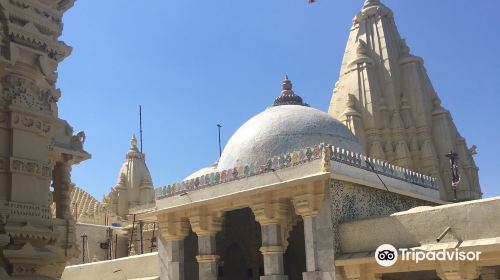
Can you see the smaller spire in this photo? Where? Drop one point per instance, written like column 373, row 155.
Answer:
column 288, row 97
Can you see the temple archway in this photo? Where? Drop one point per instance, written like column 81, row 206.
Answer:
column 238, row 246
column 190, row 252
column 294, row 258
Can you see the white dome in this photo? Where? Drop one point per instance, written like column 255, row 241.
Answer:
column 204, row 171
column 284, row 129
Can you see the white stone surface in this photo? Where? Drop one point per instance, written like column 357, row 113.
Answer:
column 141, row 266
column 386, row 98
column 284, row 129
column 473, row 220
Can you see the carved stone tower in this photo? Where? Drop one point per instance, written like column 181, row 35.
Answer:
column 37, row 148
column 386, row 98
column 134, row 186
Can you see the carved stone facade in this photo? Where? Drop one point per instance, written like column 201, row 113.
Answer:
column 36, row 147
column 386, row 98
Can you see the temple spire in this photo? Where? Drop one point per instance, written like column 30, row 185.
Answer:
column 397, row 103
column 288, row 97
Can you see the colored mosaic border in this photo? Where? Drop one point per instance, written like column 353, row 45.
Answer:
column 293, row 159
column 237, row 173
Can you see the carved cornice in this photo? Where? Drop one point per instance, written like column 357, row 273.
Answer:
column 206, row 224
column 267, row 213
column 172, row 227
column 29, row 231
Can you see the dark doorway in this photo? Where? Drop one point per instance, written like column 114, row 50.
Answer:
column 190, row 252
column 235, row 266
column 295, row 254
column 238, row 245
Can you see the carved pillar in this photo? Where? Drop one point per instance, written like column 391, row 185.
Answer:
column 357, row 272
column 173, row 230
column 32, row 139
column 206, row 225
column 62, row 186
column 272, row 218
column 458, row 271
column 488, row 273
column 308, row 205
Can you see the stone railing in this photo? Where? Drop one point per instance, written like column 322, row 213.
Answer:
column 293, row 159
column 382, row 167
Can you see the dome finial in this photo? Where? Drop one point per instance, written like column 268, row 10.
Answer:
column 369, row 3
column 288, row 97
column 133, row 141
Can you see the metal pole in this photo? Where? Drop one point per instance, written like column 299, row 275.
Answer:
column 131, row 237
column 116, row 243
column 84, row 241
column 220, row 147
column 110, row 243
column 153, row 238
column 140, row 125
column 141, row 228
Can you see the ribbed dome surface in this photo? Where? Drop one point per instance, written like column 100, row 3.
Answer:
column 283, row 129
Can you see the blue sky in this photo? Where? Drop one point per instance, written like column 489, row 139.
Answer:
column 193, row 64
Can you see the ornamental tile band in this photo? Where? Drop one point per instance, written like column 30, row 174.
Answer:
column 293, row 159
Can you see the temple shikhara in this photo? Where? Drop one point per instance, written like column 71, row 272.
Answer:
column 297, row 193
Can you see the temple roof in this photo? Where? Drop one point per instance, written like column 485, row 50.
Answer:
column 286, row 126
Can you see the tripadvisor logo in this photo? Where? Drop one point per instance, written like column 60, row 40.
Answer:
column 387, row 255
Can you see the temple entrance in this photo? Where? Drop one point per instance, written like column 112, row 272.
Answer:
column 235, row 266
column 190, row 252
column 238, row 246
column 295, row 255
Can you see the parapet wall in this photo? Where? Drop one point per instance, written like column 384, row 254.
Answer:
column 141, row 266
column 468, row 221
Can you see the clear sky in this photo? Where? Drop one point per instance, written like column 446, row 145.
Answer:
column 193, row 64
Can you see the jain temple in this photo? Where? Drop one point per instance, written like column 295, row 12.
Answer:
column 297, row 193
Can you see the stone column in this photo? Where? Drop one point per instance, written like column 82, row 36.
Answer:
column 207, row 258
column 488, row 274
column 358, row 272
column 307, row 205
column 458, row 271
column 173, row 231
column 206, row 225
column 272, row 217
column 62, row 186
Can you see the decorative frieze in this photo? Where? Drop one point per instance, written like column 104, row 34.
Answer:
column 21, row 211
column 25, row 93
column 30, row 123
column 30, row 167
